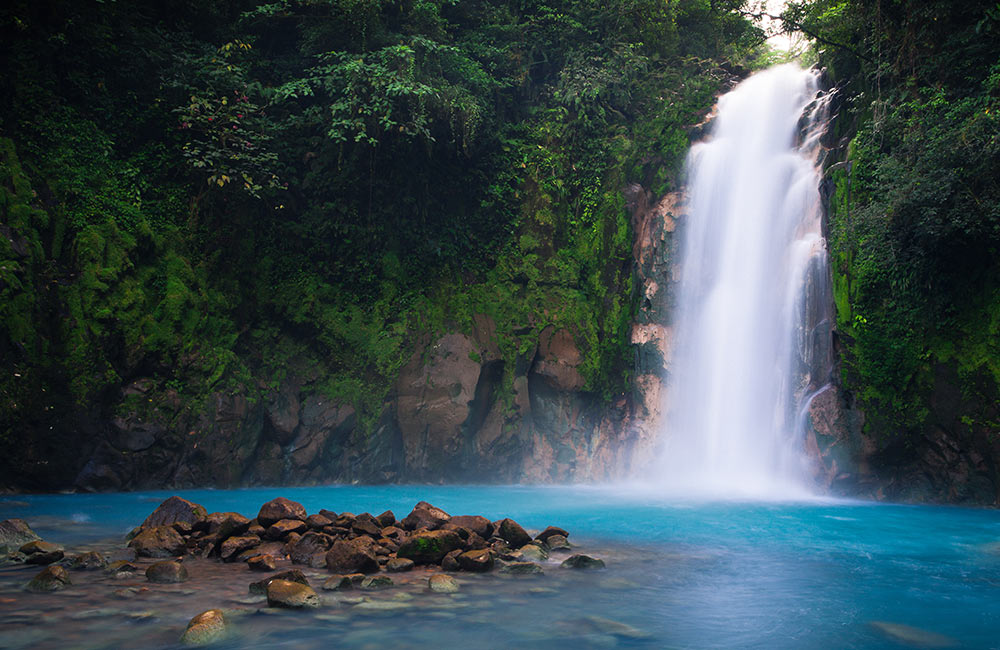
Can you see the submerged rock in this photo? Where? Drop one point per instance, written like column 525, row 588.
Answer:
column 442, row 584
column 40, row 552
column 205, row 628
column 293, row 595
column 167, row 572
column 281, row 508
column 550, row 532
column 373, row 583
column 533, row 553
column 430, row 547
column 52, row 578
column 160, row 541
column 913, row 636
column 338, row 583
column 121, row 566
column 261, row 563
column 292, row 575
column 603, row 625
column 90, row 561
column 521, row 569
column 582, row 562
column 558, row 543
column 399, row 565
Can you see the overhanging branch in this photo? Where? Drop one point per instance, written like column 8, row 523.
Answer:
column 791, row 25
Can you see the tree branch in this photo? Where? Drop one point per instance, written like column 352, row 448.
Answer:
column 791, row 25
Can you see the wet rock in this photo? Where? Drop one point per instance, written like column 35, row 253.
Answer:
column 381, row 607
column 582, row 562
column 338, row 583
column 274, row 549
column 119, row 567
column 281, row 508
column 205, row 628
column 256, row 530
column 511, row 532
column 521, row 569
column 601, row 625
column 424, row 515
column 479, row 561
column 365, row 524
column 317, row 522
column 15, row 533
column 549, row 532
column 395, row 534
column 123, row 553
column 128, row 593
column 386, row 519
column 429, row 547
column 290, row 542
column 450, row 561
column 399, row 565
column 352, row 556
column 310, row 549
column 293, row 595
column 235, row 545
column 39, row 552
column 373, row 583
column 90, row 561
column 160, row 541
column 224, row 524
column 261, row 563
column 533, row 553
column 442, row 584
column 292, row 575
column 558, row 543
column 479, row 525
column 173, row 510
column 167, row 572
column 281, row 529
column 914, row 637
column 52, row 578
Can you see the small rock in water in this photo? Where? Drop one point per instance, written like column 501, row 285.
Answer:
column 533, row 553
column 549, row 532
column 167, row 572
column 128, row 593
column 376, row 582
column 205, row 628
column 352, row 556
column 582, row 562
column 15, row 533
column 261, row 563
column 479, row 561
column 381, row 607
column 512, row 532
column 442, row 584
column 293, row 595
column 338, row 583
column 450, row 561
column 607, row 626
column 558, row 543
column 399, row 565
column 521, row 569
column 121, row 566
column 88, row 562
column 39, row 552
column 161, row 541
column 293, row 575
column 52, row 578
column 913, row 636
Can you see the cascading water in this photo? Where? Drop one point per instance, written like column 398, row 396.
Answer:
column 752, row 317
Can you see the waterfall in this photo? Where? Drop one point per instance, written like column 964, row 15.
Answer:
column 752, row 317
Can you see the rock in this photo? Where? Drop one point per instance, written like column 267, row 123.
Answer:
column 15, row 533
column 128, row 593
column 511, row 532
column 558, row 543
column 173, row 510
column 280, row 529
column 913, row 636
column 225, row 524
column 338, row 583
column 294, row 595
column 450, row 561
column 601, row 625
column 234, row 545
column 521, row 569
column 549, row 532
column 167, row 572
column 205, row 628
column 261, row 563
column 52, row 578
column 479, row 561
column 160, row 541
column 365, row 524
column 352, row 556
column 424, row 515
column 395, row 534
column 90, row 561
column 256, row 530
column 386, row 519
column 479, row 525
column 429, row 547
column 582, row 562
column 310, row 549
column 399, row 565
column 292, row 575
column 281, row 508
column 442, row 584
column 290, row 542
column 381, row 607
column 316, row 522
column 373, row 583
column 533, row 553
column 39, row 552
column 356, row 578
column 120, row 566
column 274, row 549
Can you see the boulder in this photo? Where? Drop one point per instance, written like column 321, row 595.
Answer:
column 89, row 561
column 429, row 547
column 292, row 575
column 167, row 572
column 205, row 628
column 310, row 549
column 293, row 595
column 479, row 561
column 450, row 561
column 533, row 553
column 373, row 583
column 386, row 519
column 338, row 583
column 352, row 556
column 15, row 533
column 399, row 565
column 365, row 524
column 160, row 541
column 424, row 515
column 442, row 584
column 261, row 563
column 225, row 524
column 52, row 578
column 281, row 508
column 281, row 529
column 558, row 543
column 317, row 522
column 40, row 552
column 511, row 532
column 582, row 562
column 521, row 569
column 549, row 532
column 230, row 548
column 173, row 510
column 479, row 525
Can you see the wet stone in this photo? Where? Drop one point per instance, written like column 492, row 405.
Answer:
column 281, row 529
column 558, row 543
column 281, row 508
column 292, row 595
column 399, row 565
column 261, row 563
column 521, row 569
column 442, row 584
column 292, row 575
column 52, row 578
column 373, row 583
column 549, row 532
column 581, row 561
column 205, row 628
column 338, row 583
column 90, row 561
column 167, row 572
column 121, row 566
column 479, row 561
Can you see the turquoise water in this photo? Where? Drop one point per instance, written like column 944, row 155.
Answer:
column 680, row 574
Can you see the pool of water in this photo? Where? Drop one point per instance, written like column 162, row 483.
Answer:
column 680, row 574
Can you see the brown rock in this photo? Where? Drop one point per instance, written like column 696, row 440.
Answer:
column 120, row 566
column 394, row 533
column 281, row 508
column 316, row 522
column 281, row 529
column 225, row 524
column 338, row 583
column 234, row 545
column 429, row 547
column 582, row 562
column 52, row 578
column 15, row 533
column 293, row 595
column 329, row 514
column 173, row 510
column 40, row 552
column 256, row 530
column 386, row 519
column 442, row 584
column 89, row 561
column 450, row 561
column 479, row 525
column 310, row 549
column 373, row 583
column 558, row 543
column 479, row 561
column 558, row 360
column 475, row 542
column 205, row 628
column 161, row 541
column 549, row 532
column 365, row 524
column 292, row 575
column 521, row 569
column 167, row 572
column 511, row 531
column 351, row 556
column 424, row 515
column 261, row 563
column 399, row 565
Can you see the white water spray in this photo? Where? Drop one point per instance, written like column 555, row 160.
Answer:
column 752, row 326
